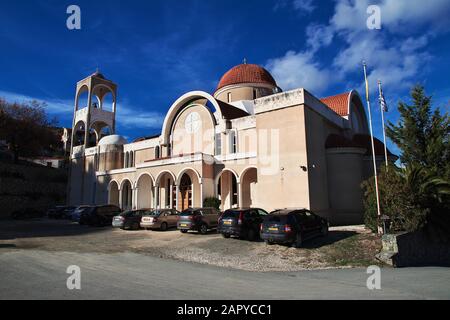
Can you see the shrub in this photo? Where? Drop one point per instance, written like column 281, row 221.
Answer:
column 212, row 202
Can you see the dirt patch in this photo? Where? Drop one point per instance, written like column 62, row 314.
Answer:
column 353, row 247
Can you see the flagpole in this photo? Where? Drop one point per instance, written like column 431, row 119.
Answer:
column 380, row 230
column 383, row 109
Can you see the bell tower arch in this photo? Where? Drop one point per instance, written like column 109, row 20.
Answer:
column 94, row 111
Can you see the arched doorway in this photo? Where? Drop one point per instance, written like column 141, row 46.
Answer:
column 228, row 189
column 186, row 197
column 249, row 179
column 144, row 192
column 166, row 195
column 127, row 196
column 113, row 197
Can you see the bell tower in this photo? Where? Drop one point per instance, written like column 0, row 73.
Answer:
column 94, row 112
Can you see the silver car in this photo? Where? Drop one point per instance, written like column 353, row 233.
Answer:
column 161, row 219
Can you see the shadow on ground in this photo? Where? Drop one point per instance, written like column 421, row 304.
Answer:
column 41, row 228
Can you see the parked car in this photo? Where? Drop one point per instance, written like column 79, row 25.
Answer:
column 161, row 219
column 67, row 213
column 129, row 219
column 242, row 223
column 28, row 213
column 198, row 219
column 99, row 215
column 292, row 227
column 58, row 212
column 75, row 215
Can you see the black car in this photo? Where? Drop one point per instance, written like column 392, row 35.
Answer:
column 198, row 219
column 129, row 219
column 242, row 223
column 59, row 212
column 292, row 227
column 99, row 215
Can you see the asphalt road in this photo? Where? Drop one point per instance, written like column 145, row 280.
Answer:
column 33, row 274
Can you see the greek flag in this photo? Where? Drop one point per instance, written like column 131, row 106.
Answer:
column 383, row 103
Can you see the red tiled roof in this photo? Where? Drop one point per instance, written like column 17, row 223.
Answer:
column 338, row 103
column 246, row 73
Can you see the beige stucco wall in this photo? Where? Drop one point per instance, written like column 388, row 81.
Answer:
column 184, row 142
column 280, row 178
column 243, row 92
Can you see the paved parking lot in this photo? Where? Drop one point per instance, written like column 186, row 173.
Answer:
column 344, row 247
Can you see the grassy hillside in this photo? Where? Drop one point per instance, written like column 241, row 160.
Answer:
column 27, row 185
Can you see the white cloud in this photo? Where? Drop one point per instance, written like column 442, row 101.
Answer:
column 127, row 117
column 396, row 54
column 304, row 5
column 53, row 106
column 132, row 118
column 298, row 69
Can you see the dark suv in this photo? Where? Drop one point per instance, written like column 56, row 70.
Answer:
column 199, row 219
column 242, row 223
column 292, row 227
column 99, row 215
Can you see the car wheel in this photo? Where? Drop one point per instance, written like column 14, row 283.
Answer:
column 251, row 235
column 164, row 226
column 268, row 242
column 183, row 231
column 226, row 235
column 324, row 231
column 203, row 229
column 298, row 241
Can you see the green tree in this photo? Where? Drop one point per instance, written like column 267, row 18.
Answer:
column 416, row 196
column 422, row 135
column 26, row 128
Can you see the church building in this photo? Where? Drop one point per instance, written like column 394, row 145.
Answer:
column 249, row 144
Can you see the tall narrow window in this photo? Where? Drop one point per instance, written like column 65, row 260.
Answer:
column 157, row 152
column 233, row 142
column 218, row 144
column 255, row 94
column 229, row 97
column 131, row 159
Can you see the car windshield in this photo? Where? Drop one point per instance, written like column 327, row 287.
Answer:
column 126, row 213
column 154, row 213
column 231, row 214
column 275, row 218
column 187, row 213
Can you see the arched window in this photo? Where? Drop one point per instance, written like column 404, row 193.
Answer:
column 125, row 162
column 131, row 159
column 229, row 97
column 157, row 152
column 233, row 142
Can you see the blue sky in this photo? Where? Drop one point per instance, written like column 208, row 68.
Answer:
column 158, row 50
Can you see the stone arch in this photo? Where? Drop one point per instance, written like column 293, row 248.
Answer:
column 101, row 91
column 178, row 105
column 227, row 188
column 113, row 193
column 82, row 91
column 145, row 189
column 126, row 194
column 357, row 113
column 248, row 181
column 189, row 169
column 165, row 185
column 78, row 135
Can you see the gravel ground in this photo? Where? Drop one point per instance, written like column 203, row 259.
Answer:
column 343, row 248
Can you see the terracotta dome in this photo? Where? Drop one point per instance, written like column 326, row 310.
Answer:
column 247, row 73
